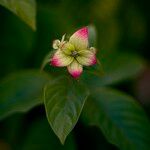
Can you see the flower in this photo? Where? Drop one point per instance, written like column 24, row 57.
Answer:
column 75, row 53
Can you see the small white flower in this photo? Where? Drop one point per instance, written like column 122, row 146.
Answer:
column 74, row 53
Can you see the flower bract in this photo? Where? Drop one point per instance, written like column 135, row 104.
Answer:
column 74, row 53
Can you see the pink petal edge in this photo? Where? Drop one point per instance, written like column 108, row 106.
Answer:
column 82, row 33
column 55, row 62
column 75, row 74
column 93, row 61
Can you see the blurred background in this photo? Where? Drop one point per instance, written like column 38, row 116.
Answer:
column 122, row 26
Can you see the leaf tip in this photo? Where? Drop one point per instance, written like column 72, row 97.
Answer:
column 62, row 141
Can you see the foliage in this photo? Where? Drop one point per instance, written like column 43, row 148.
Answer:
column 64, row 104
column 28, row 91
column 118, row 115
column 25, row 9
column 120, row 118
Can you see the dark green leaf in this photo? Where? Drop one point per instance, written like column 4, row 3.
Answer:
column 115, row 68
column 41, row 137
column 21, row 91
column 121, row 119
column 25, row 9
column 64, row 100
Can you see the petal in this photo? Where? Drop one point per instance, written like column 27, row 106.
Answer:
column 80, row 39
column 75, row 69
column 60, row 59
column 86, row 58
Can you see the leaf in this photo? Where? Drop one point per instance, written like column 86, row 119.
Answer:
column 64, row 100
column 119, row 66
column 40, row 137
column 121, row 119
column 25, row 9
column 21, row 91
column 115, row 67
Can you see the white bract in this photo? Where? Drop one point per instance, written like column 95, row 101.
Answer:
column 75, row 53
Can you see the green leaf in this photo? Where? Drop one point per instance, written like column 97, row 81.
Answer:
column 64, row 100
column 121, row 119
column 115, row 67
column 25, row 9
column 21, row 91
column 40, row 137
column 119, row 66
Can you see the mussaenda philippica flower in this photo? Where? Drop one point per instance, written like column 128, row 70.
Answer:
column 75, row 53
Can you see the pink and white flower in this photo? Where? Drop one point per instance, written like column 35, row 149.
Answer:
column 75, row 53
